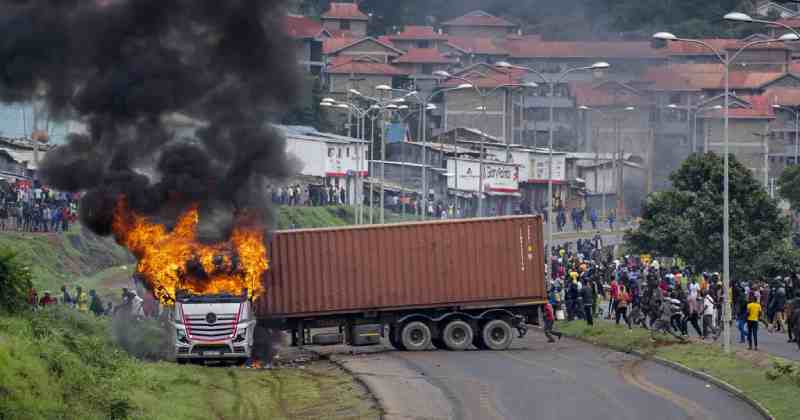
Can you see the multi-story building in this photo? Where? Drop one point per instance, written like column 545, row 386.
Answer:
column 345, row 19
column 479, row 24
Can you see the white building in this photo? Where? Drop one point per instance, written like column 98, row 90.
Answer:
column 329, row 159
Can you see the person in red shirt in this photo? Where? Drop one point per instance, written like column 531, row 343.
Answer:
column 47, row 299
column 549, row 319
column 612, row 303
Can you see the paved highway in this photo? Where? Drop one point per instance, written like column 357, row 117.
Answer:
column 568, row 380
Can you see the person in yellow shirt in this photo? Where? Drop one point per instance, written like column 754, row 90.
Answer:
column 753, row 314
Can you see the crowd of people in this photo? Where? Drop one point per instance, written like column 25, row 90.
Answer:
column 131, row 303
column 31, row 207
column 309, row 195
column 587, row 282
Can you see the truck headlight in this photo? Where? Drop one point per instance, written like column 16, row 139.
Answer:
column 241, row 336
column 181, row 335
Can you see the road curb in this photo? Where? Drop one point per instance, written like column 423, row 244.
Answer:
column 736, row 392
column 372, row 391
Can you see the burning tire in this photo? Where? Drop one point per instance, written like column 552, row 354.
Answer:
column 416, row 336
column 457, row 335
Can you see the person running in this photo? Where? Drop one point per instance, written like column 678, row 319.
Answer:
column 549, row 321
column 623, row 297
column 753, row 314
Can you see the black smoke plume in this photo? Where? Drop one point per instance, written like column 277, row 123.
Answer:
column 128, row 69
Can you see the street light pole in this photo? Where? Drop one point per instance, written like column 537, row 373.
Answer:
column 726, row 61
column 552, row 82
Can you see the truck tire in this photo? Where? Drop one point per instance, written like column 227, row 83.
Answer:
column 416, row 336
column 497, row 334
column 457, row 335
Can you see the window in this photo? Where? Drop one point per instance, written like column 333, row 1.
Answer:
column 684, row 141
column 347, row 152
column 423, row 44
column 345, row 24
column 331, row 152
column 340, row 152
column 427, row 69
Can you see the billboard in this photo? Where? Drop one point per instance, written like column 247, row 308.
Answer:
column 497, row 177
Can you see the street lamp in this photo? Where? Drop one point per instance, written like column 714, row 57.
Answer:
column 552, row 81
column 796, row 114
column 745, row 18
column 618, row 159
column 361, row 115
column 726, row 60
column 469, row 84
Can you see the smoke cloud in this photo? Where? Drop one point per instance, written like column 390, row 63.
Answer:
column 128, row 69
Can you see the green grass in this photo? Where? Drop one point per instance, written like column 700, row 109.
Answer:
column 331, row 216
column 62, row 364
column 57, row 259
column 779, row 396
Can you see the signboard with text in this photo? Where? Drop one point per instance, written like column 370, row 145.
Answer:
column 540, row 165
column 497, row 177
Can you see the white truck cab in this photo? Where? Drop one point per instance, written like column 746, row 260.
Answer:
column 213, row 327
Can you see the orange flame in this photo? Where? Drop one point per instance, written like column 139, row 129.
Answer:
column 172, row 260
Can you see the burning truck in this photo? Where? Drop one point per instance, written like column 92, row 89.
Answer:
column 193, row 207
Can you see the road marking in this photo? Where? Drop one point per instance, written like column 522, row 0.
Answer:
column 632, row 373
column 571, row 378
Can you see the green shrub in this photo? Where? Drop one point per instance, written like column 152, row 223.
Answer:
column 15, row 282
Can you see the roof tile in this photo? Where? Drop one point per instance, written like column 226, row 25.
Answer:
column 344, row 11
column 533, row 48
column 478, row 18
column 418, row 32
column 424, row 55
column 302, row 27
column 361, row 65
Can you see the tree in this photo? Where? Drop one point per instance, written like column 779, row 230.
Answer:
column 686, row 221
column 15, row 282
column 789, row 185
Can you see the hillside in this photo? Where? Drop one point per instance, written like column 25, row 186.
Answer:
column 329, row 216
column 60, row 364
column 72, row 258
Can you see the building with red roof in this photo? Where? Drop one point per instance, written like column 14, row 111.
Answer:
column 417, row 37
column 362, row 73
column 308, row 35
column 479, row 24
column 424, row 61
column 366, row 46
column 345, row 17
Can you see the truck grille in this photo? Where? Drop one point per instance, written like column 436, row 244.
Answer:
column 205, row 348
column 199, row 329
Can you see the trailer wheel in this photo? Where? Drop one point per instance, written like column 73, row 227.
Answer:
column 457, row 335
column 497, row 334
column 416, row 336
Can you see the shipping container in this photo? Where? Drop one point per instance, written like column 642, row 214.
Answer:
column 385, row 274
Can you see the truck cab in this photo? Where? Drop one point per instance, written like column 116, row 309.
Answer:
column 213, row 327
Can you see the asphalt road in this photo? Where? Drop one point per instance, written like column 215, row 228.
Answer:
column 568, row 380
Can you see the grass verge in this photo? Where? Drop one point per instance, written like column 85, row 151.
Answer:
column 748, row 374
column 59, row 363
column 301, row 217
column 56, row 259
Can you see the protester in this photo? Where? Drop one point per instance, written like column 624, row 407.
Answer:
column 47, row 300
column 549, row 320
column 753, row 315
column 81, row 300
column 96, row 305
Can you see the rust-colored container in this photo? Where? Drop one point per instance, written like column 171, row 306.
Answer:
column 472, row 262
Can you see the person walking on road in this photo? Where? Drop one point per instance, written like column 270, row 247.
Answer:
column 753, row 314
column 549, row 321
column 741, row 314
